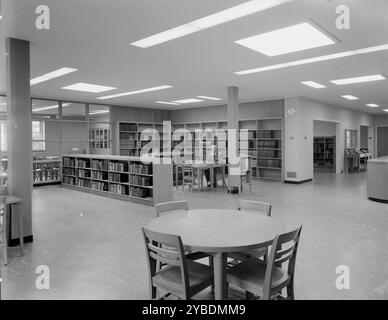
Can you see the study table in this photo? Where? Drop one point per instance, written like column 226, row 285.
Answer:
column 218, row 232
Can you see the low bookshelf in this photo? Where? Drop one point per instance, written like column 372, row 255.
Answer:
column 46, row 171
column 120, row 177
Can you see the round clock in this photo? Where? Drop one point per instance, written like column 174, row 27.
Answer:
column 291, row 111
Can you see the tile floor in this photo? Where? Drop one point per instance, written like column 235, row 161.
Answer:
column 94, row 249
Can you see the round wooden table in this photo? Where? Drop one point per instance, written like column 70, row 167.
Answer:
column 217, row 232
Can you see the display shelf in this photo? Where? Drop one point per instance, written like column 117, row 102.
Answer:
column 46, row 171
column 148, row 183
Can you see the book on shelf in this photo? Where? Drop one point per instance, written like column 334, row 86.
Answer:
column 118, row 177
column 68, row 162
column 82, row 163
column 83, row 183
column 118, row 166
column 69, row 180
column 140, row 180
column 100, row 164
column 136, row 168
column 140, row 192
column 118, row 189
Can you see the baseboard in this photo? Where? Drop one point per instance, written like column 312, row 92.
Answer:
column 15, row 242
column 297, row 182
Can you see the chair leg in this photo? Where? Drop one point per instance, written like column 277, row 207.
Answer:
column 290, row 291
column 152, row 292
column 211, row 265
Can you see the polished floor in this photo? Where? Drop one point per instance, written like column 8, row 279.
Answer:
column 94, row 249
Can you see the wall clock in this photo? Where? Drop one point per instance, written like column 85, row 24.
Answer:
column 291, row 111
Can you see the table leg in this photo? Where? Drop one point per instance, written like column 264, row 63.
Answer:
column 211, row 177
column 219, row 275
column 21, row 231
column 176, row 176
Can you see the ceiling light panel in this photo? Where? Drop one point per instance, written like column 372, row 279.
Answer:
column 209, row 98
column 295, row 38
column 328, row 57
column 168, row 103
column 341, row 82
column 52, row 75
column 135, row 92
column 313, row 84
column 350, row 97
column 185, row 101
column 212, row 20
column 51, row 107
column 385, row 110
column 88, row 87
column 372, row 105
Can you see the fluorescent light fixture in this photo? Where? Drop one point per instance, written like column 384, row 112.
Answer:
column 328, row 57
column 350, row 97
column 209, row 98
column 99, row 112
column 135, row 92
column 51, row 107
column 385, row 110
column 376, row 77
column 209, row 21
column 373, row 105
column 185, row 101
column 313, row 84
column 88, row 87
column 3, row 104
column 52, row 75
column 295, row 38
column 169, row 103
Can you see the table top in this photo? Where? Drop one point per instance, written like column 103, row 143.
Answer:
column 218, row 230
column 13, row 200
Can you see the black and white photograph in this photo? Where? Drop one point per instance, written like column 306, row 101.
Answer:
column 206, row 150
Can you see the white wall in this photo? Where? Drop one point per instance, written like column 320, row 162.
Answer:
column 299, row 133
column 324, row 129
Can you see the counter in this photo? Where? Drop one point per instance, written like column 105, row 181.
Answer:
column 377, row 181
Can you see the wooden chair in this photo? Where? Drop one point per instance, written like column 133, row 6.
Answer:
column 3, row 227
column 255, row 207
column 268, row 279
column 192, row 176
column 178, row 276
column 170, row 206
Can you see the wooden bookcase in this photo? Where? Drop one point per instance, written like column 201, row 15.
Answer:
column 324, row 151
column 120, row 177
column 265, row 146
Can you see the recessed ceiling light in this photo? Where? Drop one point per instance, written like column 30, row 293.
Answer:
column 328, row 57
column 135, row 92
column 313, row 84
column 88, row 87
column 51, row 107
column 51, row 75
column 295, row 38
column 212, row 20
column 376, row 77
column 169, row 103
column 373, row 105
column 209, row 98
column 350, row 97
column 184, row 101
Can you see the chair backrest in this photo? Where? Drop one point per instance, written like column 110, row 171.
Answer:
column 283, row 249
column 171, row 206
column 255, row 206
column 166, row 250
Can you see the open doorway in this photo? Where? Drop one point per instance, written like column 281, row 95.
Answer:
column 324, row 146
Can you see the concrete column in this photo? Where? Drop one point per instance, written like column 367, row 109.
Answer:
column 233, row 117
column 19, row 133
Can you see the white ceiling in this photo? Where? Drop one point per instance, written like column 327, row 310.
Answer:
column 94, row 36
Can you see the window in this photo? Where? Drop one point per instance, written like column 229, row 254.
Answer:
column 38, row 136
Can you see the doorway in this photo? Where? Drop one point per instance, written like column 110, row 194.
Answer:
column 324, row 146
column 382, row 141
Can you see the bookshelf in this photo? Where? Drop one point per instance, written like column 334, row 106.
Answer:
column 129, row 137
column 120, row 177
column 324, row 151
column 265, row 146
column 46, row 172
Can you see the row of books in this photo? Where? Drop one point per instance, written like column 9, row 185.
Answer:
column 269, row 163
column 117, row 177
column 140, row 192
column 100, row 164
column 69, row 171
column 100, row 186
column 45, row 176
column 83, row 173
column 69, row 162
column 83, row 183
column 269, row 144
column 140, row 169
column 69, row 180
column 140, row 180
column 118, row 166
column 268, row 154
column 81, row 163
column 99, row 175
column 119, row 189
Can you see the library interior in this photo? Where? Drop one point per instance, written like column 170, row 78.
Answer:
column 171, row 149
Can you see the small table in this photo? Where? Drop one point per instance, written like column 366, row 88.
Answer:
column 219, row 232
column 15, row 202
